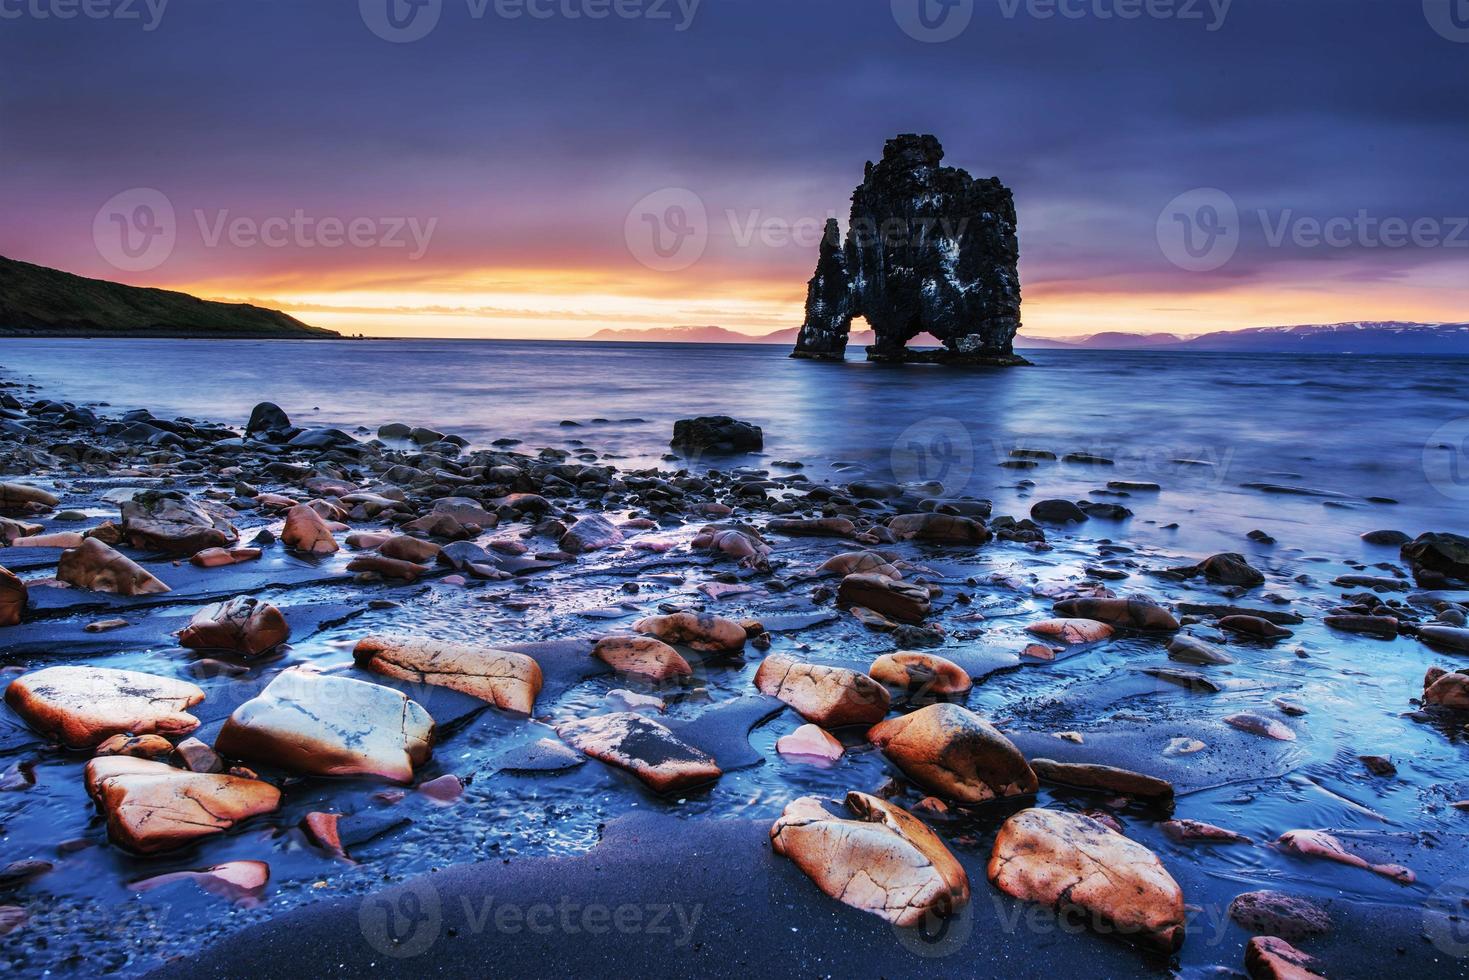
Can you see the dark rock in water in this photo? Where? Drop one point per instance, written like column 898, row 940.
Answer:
column 717, row 434
column 929, row 249
column 592, row 533
column 1446, row 554
column 1224, row 569
column 267, row 417
column 1386, row 537
column 1271, row 913
column 1106, row 512
column 1057, row 512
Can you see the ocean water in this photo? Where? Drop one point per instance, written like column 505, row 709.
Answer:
column 1350, row 427
column 1377, row 442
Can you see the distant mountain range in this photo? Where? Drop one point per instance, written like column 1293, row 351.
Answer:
column 38, row 301
column 1365, row 337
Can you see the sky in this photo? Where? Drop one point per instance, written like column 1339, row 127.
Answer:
column 499, row 168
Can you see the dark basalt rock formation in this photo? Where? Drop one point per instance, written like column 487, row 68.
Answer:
column 929, row 249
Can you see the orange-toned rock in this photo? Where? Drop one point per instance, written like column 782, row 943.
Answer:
column 82, row 707
column 1272, row 958
column 922, row 673
column 1071, row 631
column 60, row 539
column 153, row 807
column 644, row 748
column 810, row 742
column 12, row 530
column 854, row 562
column 242, row 882
column 323, row 830
column 242, row 625
column 1319, row 844
column 644, row 656
column 704, row 632
column 327, row 725
column 885, row 861
column 1067, row 860
column 368, row 540
column 1135, row 613
column 509, row 681
column 953, row 752
column 738, row 541
column 404, row 547
column 387, row 567
column 1107, row 779
column 306, row 531
column 221, row 557
column 137, row 746
column 23, row 497
column 100, row 568
column 829, row 696
column 13, row 597
column 1447, row 688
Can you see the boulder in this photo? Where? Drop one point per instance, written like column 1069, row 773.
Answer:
column 510, row 681
column 267, row 417
column 921, row 673
column 829, row 696
column 951, row 751
column 1448, row 689
column 1192, row 650
column 717, row 434
column 704, row 632
column 12, row 531
column 884, row 861
column 327, row 725
column 99, row 568
column 1254, row 626
column 172, row 524
column 890, row 597
column 1107, row 779
column 812, row 527
column 1224, row 569
column 1271, row 913
column 810, row 742
column 403, row 547
column 643, row 656
column 13, row 597
column 1133, row 613
column 644, row 748
column 83, row 706
column 243, row 625
column 939, row 528
column 1271, row 958
column 1071, row 631
column 24, row 498
column 592, row 533
column 1068, row 861
column 853, row 562
column 740, row 542
column 1442, row 553
column 1057, row 512
column 305, row 531
column 152, row 807
column 1445, row 637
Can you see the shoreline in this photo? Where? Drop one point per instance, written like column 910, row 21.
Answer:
column 584, row 575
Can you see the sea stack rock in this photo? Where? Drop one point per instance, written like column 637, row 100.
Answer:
column 929, row 249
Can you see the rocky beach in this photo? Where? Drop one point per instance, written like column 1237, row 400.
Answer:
column 280, row 694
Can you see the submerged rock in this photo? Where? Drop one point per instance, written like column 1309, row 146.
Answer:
column 1318, row 843
column 1109, row 779
column 243, row 625
column 99, row 568
column 951, row 751
column 885, row 861
column 1247, row 721
column 510, row 681
column 829, row 696
column 83, row 706
column 325, row 725
column 1196, row 831
column 643, row 747
column 1066, row 860
column 152, row 807
column 644, row 656
column 241, row 882
column 13, row 597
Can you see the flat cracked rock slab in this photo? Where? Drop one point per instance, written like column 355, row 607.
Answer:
column 82, row 706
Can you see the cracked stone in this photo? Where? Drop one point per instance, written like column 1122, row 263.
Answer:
column 152, row 807
column 829, row 696
column 510, row 681
column 84, row 706
column 243, row 625
column 949, row 750
column 643, row 747
column 100, row 568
